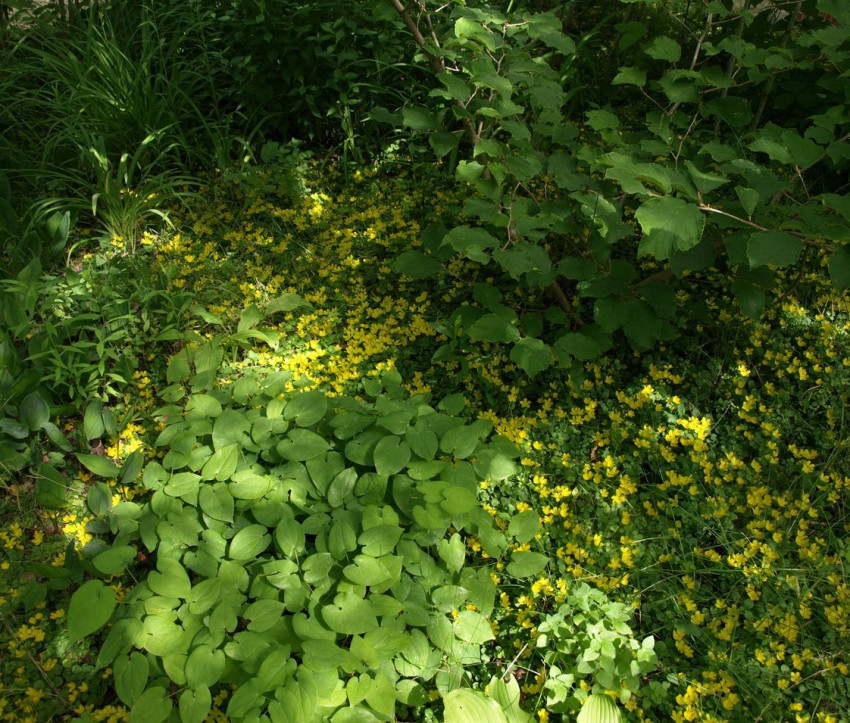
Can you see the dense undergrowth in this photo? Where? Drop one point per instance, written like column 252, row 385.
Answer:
column 702, row 485
column 298, row 424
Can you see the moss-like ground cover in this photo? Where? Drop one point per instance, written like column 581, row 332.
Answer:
column 703, row 484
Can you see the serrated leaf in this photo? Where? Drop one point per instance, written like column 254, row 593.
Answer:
column 664, row 48
column 416, row 265
column 669, row 224
column 630, row 76
column 532, row 356
column 773, row 248
column 493, row 328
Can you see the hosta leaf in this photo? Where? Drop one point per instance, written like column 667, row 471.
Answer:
column 465, row 705
column 599, row 708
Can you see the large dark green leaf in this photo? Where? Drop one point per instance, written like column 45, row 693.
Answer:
column 669, row 224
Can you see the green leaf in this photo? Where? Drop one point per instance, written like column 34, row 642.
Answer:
column 773, row 248
column 416, row 265
column 51, row 488
column 350, row 615
column 441, row 144
column 286, row 302
column 301, row 445
column 204, row 666
column 90, row 608
column 493, row 328
column 469, row 706
column 170, row 579
column 33, row 411
column 93, row 426
column 748, row 197
column 222, row 464
column 100, row 466
column 452, row 552
column 391, row 455
column 526, row 564
column 178, row 369
column 839, row 268
column 705, row 182
column 204, row 595
column 249, row 542
column 669, row 224
column 601, row 120
column 664, row 48
column 195, row 705
column 470, row 242
column 114, row 560
column 524, row 526
column 130, row 674
column 532, row 356
column 473, row 627
column 630, row 76
column 99, row 498
column 307, row 408
column 153, row 706
column 599, row 708
column 420, row 119
column 578, row 345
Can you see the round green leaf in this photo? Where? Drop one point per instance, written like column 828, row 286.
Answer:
column 526, row 564
column 249, row 542
column 114, row 560
column 195, row 705
column 153, row 706
column 669, row 224
column 90, row 608
column 204, row 666
column 391, row 455
column 301, row 445
column 350, row 615
column 472, row 627
column 130, row 674
column 307, row 408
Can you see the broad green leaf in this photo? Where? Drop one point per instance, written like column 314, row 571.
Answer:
column 90, row 608
column 465, row 705
column 195, row 705
column 599, row 708
column 493, row 328
column 93, row 421
column 705, row 182
column 263, row 614
column 130, row 674
column 301, row 445
column 839, row 268
column 748, row 197
column 114, row 560
column 664, row 48
column 526, row 564
column 669, row 224
column 307, row 408
column 380, row 539
column 350, row 615
column 170, row 579
column 51, row 487
column 452, row 552
column 773, row 248
column 204, row 595
column 178, row 369
column 578, row 345
column 420, row 119
column 391, row 455
column 33, row 411
column 286, row 302
column 204, row 666
column 290, row 537
column 249, row 542
column 470, row 242
column 99, row 498
column 532, row 356
column 153, row 706
column 524, row 526
column 416, row 264
column 222, row 464
column 601, row 120
column 472, row 627
column 100, row 466
column 630, row 76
